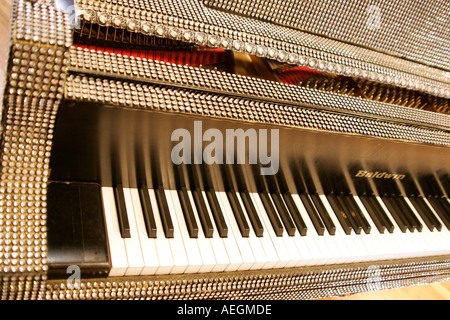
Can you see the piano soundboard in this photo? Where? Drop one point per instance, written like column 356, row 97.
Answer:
column 203, row 150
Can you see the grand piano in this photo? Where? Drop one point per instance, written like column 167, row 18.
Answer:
column 203, row 149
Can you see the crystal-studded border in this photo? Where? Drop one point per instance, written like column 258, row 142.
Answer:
column 296, row 283
column 36, row 71
column 84, row 60
column 388, row 70
column 413, row 29
column 167, row 99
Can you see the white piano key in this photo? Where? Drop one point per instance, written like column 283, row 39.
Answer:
column 179, row 254
column 193, row 255
column 283, row 257
column 132, row 244
column 265, row 241
column 347, row 245
column 290, row 245
column 313, row 240
column 398, row 239
column 233, row 233
column 163, row 247
column 148, row 245
column 221, row 254
column 118, row 254
column 379, row 246
column 261, row 260
column 205, row 246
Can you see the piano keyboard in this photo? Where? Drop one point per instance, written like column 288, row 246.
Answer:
column 158, row 231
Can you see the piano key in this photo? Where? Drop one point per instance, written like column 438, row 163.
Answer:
column 242, row 182
column 372, row 213
column 295, row 213
column 271, row 213
column 319, row 251
column 381, row 213
column 147, row 210
column 199, row 201
column 359, row 216
column 213, row 252
column 188, row 213
column 394, row 210
column 226, row 252
column 148, row 244
column 238, row 213
column 400, row 239
column 255, row 221
column 283, row 213
column 405, row 212
column 202, row 212
column 272, row 240
column 442, row 209
column 214, row 205
column 162, row 244
column 345, row 244
column 163, row 209
column 331, row 228
column 241, row 243
column 313, row 214
column 122, row 211
column 231, row 192
column 187, row 243
column 217, row 213
column 179, row 254
column 351, row 216
column 340, row 214
column 425, row 213
column 261, row 260
column 118, row 254
column 132, row 244
column 186, row 205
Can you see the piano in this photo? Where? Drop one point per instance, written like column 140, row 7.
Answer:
column 201, row 149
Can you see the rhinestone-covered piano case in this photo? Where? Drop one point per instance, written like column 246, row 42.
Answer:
column 196, row 149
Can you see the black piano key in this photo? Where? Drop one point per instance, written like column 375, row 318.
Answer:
column 188, row 213
column 217, row 213
column 283, row 213
column 394, row 211
column 381, row 213
column 248, row 203
column 147, row 210
column 164, row 212
column 372, row 213
column 359, row 215
column 236, row 207
column 214, row 205
column 271, row 213
column 313, row 214
column 252, row 213
column 403, row 211
column 186, row 206
column 238, row 214
column 351, row 216
column 295, row 213
column 441, row 209
column 205, row 220
column 340, row 214
column 124, row 224
column 411, row 215
column 423, row 212
column 200, row 204
column 329, row 224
